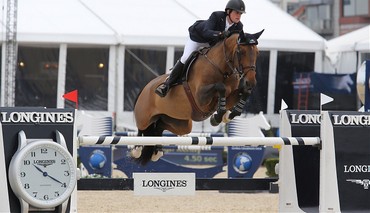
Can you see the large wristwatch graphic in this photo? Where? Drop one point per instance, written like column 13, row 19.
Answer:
column 42, row 173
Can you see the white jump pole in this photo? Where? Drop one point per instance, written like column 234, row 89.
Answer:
column 202, row 141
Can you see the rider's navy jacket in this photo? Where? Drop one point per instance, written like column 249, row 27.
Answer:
column 207, row 31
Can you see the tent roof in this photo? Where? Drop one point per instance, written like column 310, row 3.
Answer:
column 358, row 40
column 60, row 21
column 158, row 22
column 151, row 22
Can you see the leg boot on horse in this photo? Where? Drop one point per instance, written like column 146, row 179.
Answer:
column 176, row 73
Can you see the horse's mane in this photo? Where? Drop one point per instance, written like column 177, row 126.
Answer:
column 232, row 33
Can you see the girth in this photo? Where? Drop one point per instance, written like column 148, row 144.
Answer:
column 196, row 114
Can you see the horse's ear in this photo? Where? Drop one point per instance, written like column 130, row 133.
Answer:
column 241, row 33
column 242, row 37
column 251, row 39
column 257, row 35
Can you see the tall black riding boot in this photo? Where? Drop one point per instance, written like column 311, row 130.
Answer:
column 175, row 74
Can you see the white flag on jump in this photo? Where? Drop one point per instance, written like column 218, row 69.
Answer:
column 283, row 105
column 324, row 99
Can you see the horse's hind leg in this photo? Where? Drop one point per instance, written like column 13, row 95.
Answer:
column 158, row 153
column 149, row 153
column 137, row 150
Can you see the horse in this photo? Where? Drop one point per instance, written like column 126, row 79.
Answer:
column 219, row 79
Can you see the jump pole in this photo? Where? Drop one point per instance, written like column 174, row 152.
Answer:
column 198, row 141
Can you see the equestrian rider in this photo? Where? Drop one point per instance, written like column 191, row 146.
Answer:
column 205, row 33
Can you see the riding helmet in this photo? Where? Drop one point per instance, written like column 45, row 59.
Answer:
column 237, row 5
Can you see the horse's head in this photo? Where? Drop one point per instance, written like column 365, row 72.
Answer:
column 244, row 59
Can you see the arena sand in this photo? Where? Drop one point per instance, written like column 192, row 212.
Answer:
column 202, row 201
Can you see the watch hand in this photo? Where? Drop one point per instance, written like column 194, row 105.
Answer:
column 55, row 179
column 45, row 174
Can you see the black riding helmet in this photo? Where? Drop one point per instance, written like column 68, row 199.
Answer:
column 237, row 5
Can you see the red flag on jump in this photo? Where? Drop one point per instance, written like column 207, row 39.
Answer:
column 72, row 96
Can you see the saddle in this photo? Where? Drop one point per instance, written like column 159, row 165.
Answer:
column 192, row 58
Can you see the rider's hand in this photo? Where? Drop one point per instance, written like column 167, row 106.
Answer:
column 224, row 34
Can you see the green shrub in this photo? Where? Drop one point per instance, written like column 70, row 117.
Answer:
column 270, row 166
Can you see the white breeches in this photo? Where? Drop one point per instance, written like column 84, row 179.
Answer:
column 190, row 47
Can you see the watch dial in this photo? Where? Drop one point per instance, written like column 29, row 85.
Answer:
column 46, row 172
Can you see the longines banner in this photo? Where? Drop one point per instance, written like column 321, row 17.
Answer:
column 164, row 183
column 352, row 148
column 37, row 123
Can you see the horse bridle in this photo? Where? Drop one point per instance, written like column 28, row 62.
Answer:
column 241, row 68
column 229, row 62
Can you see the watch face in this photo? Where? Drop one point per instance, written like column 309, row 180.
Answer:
column 45, row 174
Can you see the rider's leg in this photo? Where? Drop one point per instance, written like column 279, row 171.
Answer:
column 176, row 72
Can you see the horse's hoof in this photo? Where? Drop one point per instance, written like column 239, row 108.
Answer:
column 136, row 152
column 213, row 121
column 156, row 156
column 225, row 118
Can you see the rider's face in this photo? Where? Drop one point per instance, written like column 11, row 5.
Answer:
column 235, row 16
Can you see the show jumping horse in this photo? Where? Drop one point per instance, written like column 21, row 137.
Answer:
column 221, row 78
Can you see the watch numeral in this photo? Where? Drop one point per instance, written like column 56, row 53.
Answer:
column 66, row 173
column 26, row 162
column 46, row 197
column 64, row 185
column 63, row 161
column 34, row 194
column 56, row 194
column 26, row 186
column 33, row 154
column 44, row 150
column 55, row 154
column 23, row 174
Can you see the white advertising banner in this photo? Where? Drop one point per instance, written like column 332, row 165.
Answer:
column 164, row 183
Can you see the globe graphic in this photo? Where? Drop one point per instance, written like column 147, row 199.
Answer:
column 97, row 159
column 242, row 163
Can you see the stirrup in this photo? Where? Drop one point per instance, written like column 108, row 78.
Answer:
column 162, row 90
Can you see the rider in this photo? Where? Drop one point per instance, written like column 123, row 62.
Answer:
column 205, row 33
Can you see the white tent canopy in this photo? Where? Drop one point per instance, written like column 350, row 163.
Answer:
column 358, row 40
column 343, row 52
column 60, row 21
column 148, row 22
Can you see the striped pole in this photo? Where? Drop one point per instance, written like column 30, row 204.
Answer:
column 188, row 148
column 200, row 141
column 170, row 134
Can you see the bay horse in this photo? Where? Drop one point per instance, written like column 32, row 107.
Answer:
column 220, row 79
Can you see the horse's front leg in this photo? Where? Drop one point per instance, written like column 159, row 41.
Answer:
column 221, row 108
column 237, row 110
